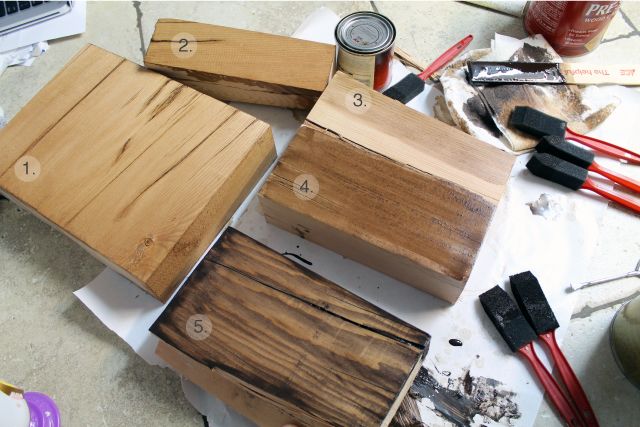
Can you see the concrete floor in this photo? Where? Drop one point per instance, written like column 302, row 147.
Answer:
column 50, row 342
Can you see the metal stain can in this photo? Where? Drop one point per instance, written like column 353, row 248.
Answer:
column 571, row 28
column 365, row 47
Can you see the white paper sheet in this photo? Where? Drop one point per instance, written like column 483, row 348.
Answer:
column 556, row 250
column 71, row 23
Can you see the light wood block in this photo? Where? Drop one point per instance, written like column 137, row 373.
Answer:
column 239, row 65
column 281, row 344
column 398, row 191
column 142, row 171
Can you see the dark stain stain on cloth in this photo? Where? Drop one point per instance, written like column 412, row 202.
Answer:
column 476, row 111
column 530, row 53
column 465, row 397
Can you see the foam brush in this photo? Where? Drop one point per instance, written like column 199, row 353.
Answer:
column 536, row 309
column 537, row 123
column 412, row 85
column 567, row 174
column 519, row 336
column 559, row 147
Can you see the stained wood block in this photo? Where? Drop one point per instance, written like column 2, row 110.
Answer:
column 281, row 344
column 390, row 187
column 142, row 171
column 239, row 65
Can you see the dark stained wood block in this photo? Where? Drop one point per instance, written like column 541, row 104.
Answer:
column 286, row 345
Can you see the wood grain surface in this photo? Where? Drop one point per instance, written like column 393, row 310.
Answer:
column 239, row 65
column 284, row 335
column 141, row 170
column 398, row 191
column 409, row 137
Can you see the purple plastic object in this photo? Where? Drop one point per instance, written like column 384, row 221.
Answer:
column 43, row 410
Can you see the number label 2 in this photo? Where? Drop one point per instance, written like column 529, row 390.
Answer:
column 183, row 45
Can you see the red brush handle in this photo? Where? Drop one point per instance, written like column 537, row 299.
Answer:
column 604, row 147
column 631, row 184
column 570, row 379
column 444, row 59
column 618, row 198
column 551, row 387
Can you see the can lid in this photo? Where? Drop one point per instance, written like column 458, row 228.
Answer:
column 365, row 32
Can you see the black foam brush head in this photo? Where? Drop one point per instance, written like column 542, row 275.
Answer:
column 406, row 89
column 533, row 303
column 507, row 318
column 557, row 170
column 536, row 123
column 565, row 150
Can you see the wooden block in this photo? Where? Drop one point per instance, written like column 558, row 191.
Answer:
column 398, row 191
column 239, row 65
column 142, row 171
column 281, row 344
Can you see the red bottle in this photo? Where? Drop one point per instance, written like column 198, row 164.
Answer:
column 572, row 27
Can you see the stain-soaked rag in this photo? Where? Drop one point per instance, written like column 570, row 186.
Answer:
column 483, row 111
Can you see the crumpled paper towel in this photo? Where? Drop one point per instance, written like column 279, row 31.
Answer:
column 22, row 56
column 483, row 111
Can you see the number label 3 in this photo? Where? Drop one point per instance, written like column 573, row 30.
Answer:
column 358, row 101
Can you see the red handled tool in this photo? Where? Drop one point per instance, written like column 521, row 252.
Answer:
column 561, row 172
column 519, row 336
column 558, row 147
column 614, row 197
column 411, row 85
column 534, row 122
column 446, row 57
column 536, row 309
column 604, row 147
column 551, row 386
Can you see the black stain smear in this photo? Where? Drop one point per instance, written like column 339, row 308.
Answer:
column 530, row 53
column 478, row 113
column 298, row 257
column 455, row 342
column 205, row 420
column 465, row 397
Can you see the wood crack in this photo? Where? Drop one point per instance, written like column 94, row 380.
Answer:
column 318, row 307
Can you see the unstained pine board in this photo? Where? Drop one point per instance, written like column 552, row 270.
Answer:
column 233, row 64
column 141, row 170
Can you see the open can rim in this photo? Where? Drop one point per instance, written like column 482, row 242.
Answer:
column 384, row 24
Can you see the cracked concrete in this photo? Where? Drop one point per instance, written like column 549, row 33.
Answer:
column 588, row 310
column 50, row 342
column 136, row 6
